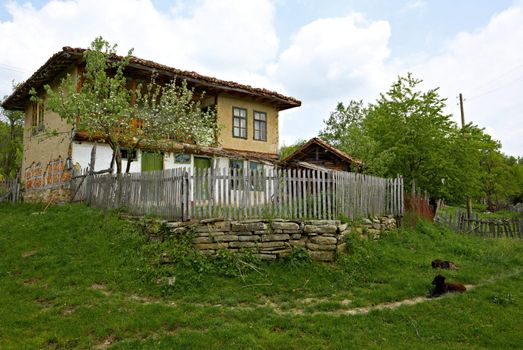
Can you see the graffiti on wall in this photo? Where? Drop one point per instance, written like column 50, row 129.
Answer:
column 54, row 174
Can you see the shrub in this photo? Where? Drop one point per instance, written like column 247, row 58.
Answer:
column 298, row 257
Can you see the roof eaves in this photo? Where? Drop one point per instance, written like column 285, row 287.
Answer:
column 320, row 142
column 42, row 74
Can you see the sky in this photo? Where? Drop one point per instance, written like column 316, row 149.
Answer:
column 321, row 52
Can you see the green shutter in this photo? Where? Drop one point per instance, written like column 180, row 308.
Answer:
column 152, row 161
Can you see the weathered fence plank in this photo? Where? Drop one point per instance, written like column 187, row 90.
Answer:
column 237, row 194
column 486, row 228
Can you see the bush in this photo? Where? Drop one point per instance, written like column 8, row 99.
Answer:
column 236, row 263
column 298, row 257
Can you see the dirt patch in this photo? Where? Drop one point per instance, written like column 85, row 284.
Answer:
column 31, row 281
column 45, row 303
column 307, row 302
column 29, row 253
column 69, row 310
column 107, row 342
column 101, row 288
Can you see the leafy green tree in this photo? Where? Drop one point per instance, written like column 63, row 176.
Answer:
column 345, row 130
column 412, row 128
column 172, row 112
column 517, row 197
column 466, row 149
column 286, row 151
column 104, row 106
column 499, row 178
column 11, row 134
column 407, row 132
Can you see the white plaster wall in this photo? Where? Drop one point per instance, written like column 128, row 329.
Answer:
column 82, row 155
column 169, row 163
column 221, row 163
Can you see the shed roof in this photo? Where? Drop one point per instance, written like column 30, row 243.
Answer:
column 61, row 60
column 303, row 149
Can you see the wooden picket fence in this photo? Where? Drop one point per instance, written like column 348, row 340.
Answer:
column 486, row 228
column 177, row 194
column 10, row 190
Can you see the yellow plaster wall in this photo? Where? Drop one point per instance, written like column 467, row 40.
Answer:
column 224, row 111
column 41, row 147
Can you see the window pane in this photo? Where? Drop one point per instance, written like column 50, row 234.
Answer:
column 243, row 113
column 236, row 164
column 242, row 123
column 260, row 116
column 236, row 122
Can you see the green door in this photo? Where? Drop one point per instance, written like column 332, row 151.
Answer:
column 152, row 161
column 202, row 163
column 201, row 187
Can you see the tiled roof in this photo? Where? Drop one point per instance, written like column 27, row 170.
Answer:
column 316, row 140
column 63, row 59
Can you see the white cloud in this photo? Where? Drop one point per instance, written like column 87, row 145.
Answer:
column 222, row 38
column 486, row 66
column 330, row 56
column 414, row 5
column 325, row 64
column 330, row 60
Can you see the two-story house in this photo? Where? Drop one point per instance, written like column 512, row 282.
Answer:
column 248, row 118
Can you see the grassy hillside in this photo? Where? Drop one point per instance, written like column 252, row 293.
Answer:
column 72, row 277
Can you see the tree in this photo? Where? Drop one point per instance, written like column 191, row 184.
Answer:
column 344, row 129
column 407, row 132
column 11, row 134
column 100, row 103
column 172, row 112
column 286, row 151
column 500, row 178
column 411, row 126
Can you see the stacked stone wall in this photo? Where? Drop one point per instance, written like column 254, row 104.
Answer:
column 47, row 195
column 273, row 239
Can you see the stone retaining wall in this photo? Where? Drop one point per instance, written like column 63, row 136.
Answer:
column 275, row 238
column 46, row 195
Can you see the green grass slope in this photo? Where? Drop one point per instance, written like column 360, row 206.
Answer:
column 73, row 277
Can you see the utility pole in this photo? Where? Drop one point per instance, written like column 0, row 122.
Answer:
column 469, row 200
column 462, row 111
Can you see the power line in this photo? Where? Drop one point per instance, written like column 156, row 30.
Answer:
column 496, row 88
column 11, row 68
column 490, row 81
column 501, row 75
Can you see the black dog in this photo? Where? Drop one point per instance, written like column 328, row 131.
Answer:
column 440, row 264
column 441, row 287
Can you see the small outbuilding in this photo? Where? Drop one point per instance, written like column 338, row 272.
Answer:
column 317, row 154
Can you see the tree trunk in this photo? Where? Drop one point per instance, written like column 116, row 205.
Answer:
column 118, row 158
column 130, row 157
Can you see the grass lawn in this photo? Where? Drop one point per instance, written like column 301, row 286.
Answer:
column 73, row 277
